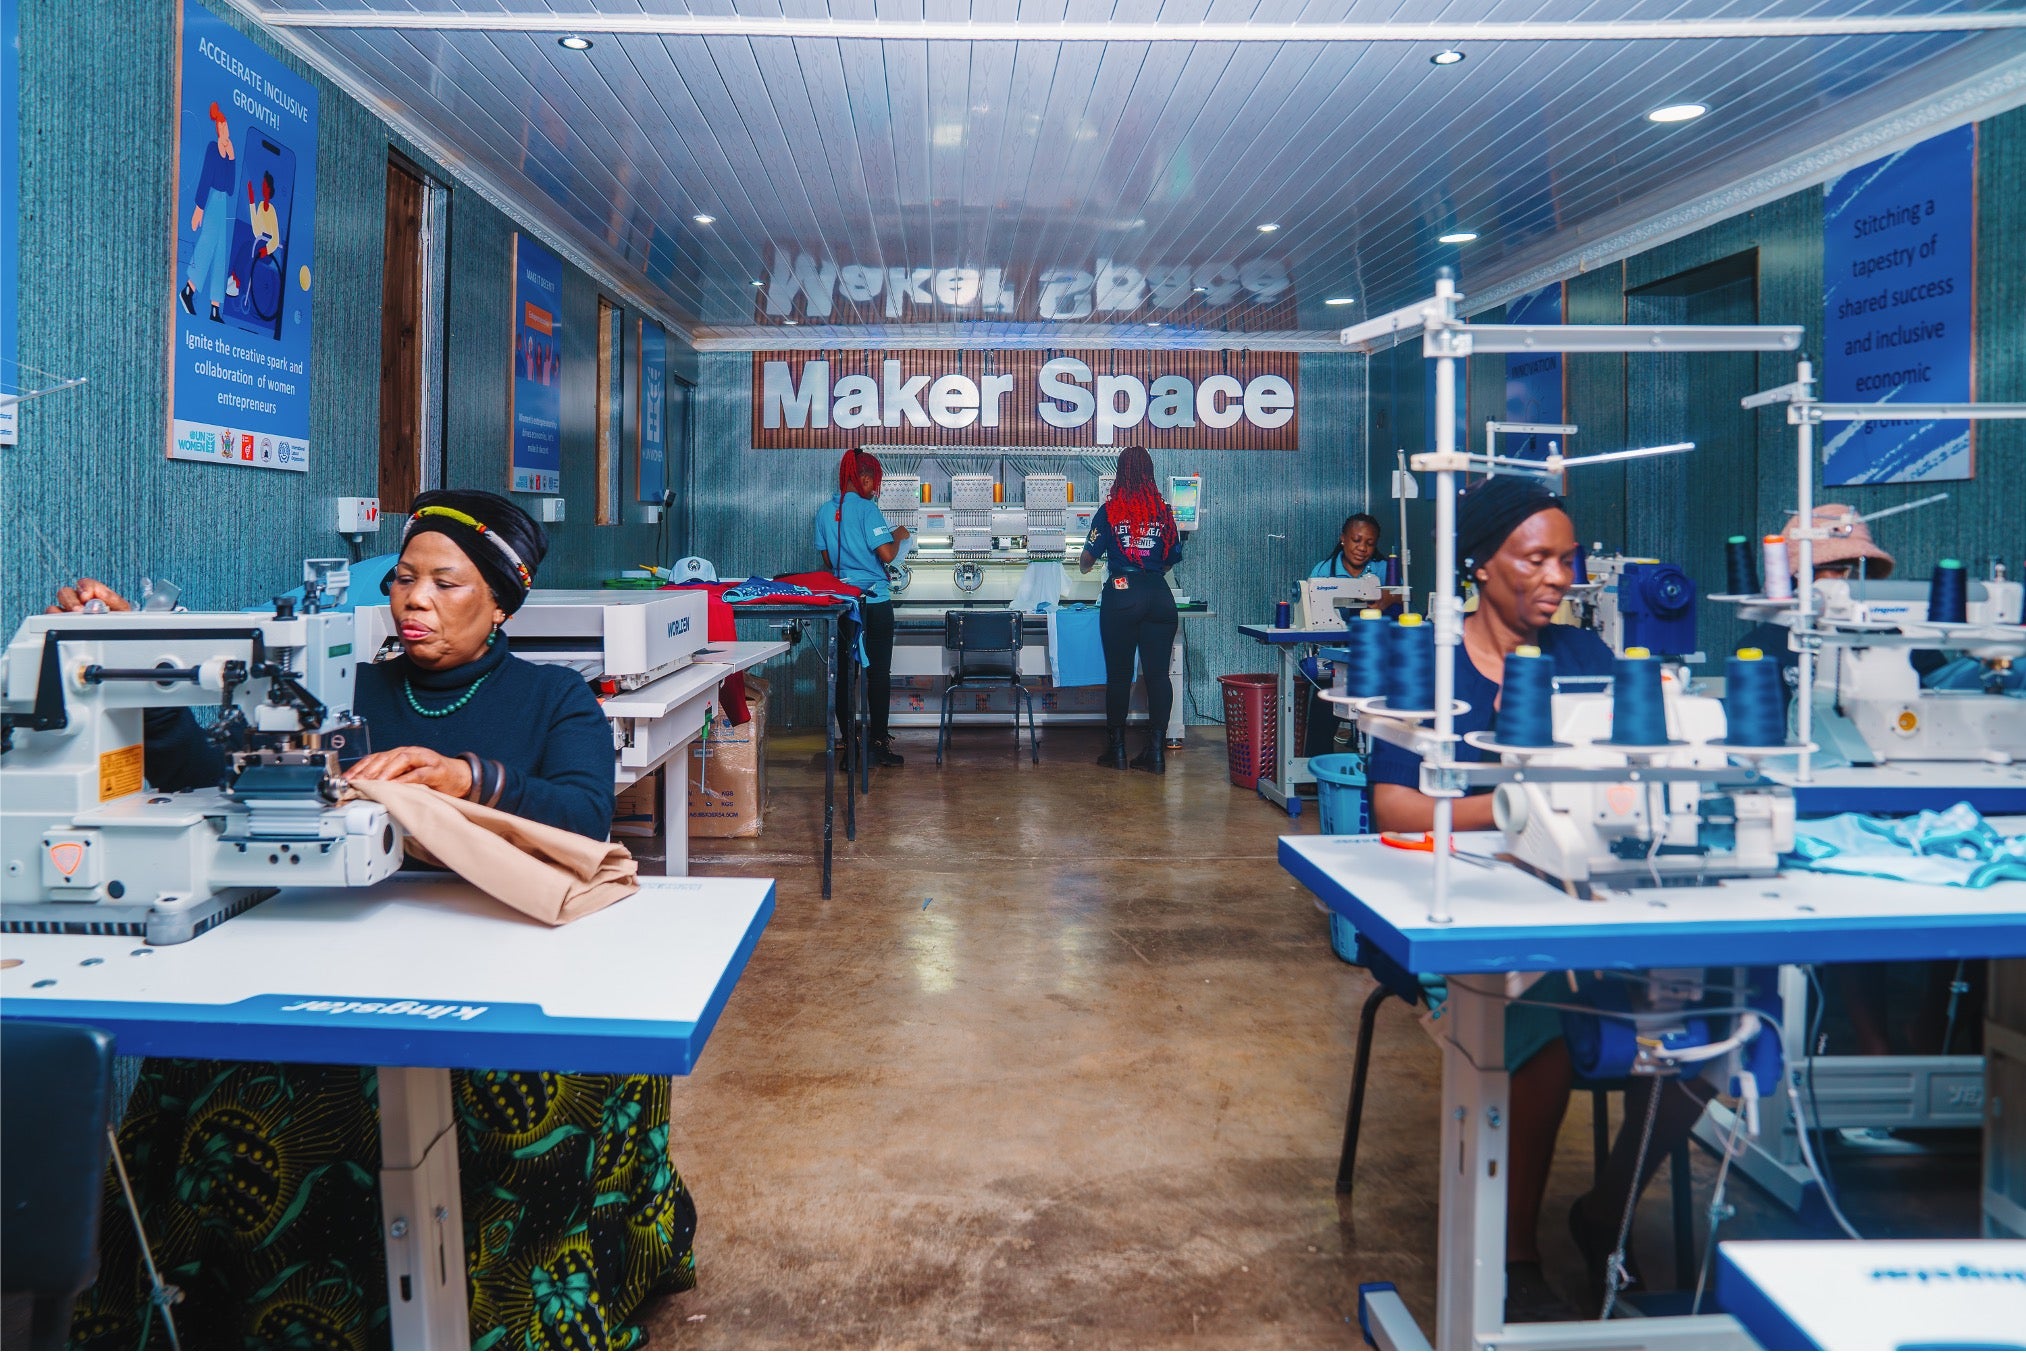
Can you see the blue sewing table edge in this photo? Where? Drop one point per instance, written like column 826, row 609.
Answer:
column 1814, row 800
column 1268, row 634
column 1722, row 943
column 1749, row 1305
column 264, row 1028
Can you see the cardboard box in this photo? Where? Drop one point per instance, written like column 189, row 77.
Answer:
column 637, row 810
column 728, row 773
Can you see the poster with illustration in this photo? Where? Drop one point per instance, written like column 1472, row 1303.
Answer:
column 536, row 411
column 1899, row 282
column 246, row 157
column 651, row 474
column 1533, row 380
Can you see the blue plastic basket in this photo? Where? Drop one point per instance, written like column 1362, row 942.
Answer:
column 1340, row 802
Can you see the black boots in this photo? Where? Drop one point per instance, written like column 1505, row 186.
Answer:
column 1113, row 757
column 1154, row 759
column 885, row 757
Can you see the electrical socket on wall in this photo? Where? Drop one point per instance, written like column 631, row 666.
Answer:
column 552, row 509
column 358, row 516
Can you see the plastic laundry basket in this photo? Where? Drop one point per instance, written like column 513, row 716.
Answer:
column 1340, row 802
column 1249, row 726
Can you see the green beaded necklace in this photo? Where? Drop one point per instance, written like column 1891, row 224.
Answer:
column 448, row 709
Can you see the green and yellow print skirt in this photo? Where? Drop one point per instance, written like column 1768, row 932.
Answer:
column 258, row 1185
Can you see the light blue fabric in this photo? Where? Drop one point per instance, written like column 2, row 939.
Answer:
column 1968, row 674
column 1333, row 567
column 1955, row 848
column 849, row 528
column 1075, row 651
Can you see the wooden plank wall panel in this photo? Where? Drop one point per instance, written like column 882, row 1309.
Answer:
column 401, row 342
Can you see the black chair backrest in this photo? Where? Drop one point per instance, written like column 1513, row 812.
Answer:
column 982, row 631
column 56, row 1085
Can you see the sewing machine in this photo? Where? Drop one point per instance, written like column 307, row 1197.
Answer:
column 1332, row 603
column 617, row 640
column 1636, row 603
column 1870, row 688
column 90, row 850
column 1689, row 817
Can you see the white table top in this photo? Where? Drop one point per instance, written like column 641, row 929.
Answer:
column 657, row 698
column 1876, row 1293
column 1506, row 920
column 741, row 655
column 421, row 970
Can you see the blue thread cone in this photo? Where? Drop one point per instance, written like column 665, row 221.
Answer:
column 1741, row 567
column 1410, row 664
column 1949, row 593
column 1755, row 700
column 1638, row 713
column 1364, row 668
column 1526, row 699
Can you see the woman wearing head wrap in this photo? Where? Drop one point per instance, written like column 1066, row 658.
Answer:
column 258, row 1183
column 1135, row 531
column 857, row 543
column 1515, row 541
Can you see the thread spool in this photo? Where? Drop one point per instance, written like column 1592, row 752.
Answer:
column 1409, row 681
column 1363, row 672
column 1582, row 565
column 1526, row 699
column 1741, row 567
column 1391, row 572
column 1755, row 700
column 1779, row 573
column 1638, row 711
column 1949, row 593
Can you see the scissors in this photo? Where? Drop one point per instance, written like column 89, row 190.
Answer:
column 1425, row 841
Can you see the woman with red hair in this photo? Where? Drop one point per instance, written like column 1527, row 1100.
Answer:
column 1135, row 533
column 857, row 544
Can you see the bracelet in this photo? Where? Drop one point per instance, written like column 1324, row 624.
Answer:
column 477, row 769
column 499, row 779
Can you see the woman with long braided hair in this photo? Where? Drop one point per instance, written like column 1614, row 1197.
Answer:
column 1135, row 533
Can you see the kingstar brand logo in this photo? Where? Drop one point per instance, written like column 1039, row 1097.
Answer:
column 418, row 1009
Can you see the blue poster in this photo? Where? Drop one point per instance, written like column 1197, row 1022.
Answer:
column 246, row 170
column 1533, row 380
column 651, row 475
column 1899, row 286
column 537, row 409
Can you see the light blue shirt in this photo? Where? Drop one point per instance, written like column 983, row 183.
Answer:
column 1333, row 567
column 850, row 539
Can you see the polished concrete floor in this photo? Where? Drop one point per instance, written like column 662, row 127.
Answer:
column 1063, row 1063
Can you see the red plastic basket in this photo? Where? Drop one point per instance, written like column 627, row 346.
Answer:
column 1249, row 726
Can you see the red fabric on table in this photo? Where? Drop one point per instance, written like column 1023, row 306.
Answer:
column 721, row 627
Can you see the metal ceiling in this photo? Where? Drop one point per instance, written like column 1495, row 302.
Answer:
column 900, row 184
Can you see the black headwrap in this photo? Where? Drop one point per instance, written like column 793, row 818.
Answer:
column 1488, row 512
column 505, row 544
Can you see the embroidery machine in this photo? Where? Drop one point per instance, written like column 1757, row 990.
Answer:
column 89, row 849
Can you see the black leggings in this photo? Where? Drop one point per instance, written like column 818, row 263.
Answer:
column 878, row 671
column 1137, row 618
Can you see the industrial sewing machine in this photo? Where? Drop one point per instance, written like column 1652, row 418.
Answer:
column 1636, row 603
column 1680, row 815
column 90, row 849
column 616, row 640
column 1331, row 603
column 1866, row 685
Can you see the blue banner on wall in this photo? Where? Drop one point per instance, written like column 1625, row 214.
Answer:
column 538, row 369
column 1533, row 380
column 651, row 474
column 1899, row 287
column 246, row 169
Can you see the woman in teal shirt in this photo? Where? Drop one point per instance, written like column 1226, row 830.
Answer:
column 1357, row 548
column 857, row 543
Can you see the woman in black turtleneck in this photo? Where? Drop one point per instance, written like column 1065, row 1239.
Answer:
column 258, row 1182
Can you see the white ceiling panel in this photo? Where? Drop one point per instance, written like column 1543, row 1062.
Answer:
column 902, row 166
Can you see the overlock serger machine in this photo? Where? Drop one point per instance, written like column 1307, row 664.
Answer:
column 88, row 848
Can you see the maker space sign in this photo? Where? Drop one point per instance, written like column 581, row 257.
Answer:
column 1063, row 400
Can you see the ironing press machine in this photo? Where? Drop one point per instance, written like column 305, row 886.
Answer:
column 90, row 849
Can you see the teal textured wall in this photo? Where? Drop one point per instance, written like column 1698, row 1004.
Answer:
column 1741, row 477
column 90, row 490
column 1267, row 515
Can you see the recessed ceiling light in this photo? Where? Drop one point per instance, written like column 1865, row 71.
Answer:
column 1268, row 227
column 1153, row 324
column 703, row 218
column 574, row 43
column 1202, row 291
column 791, row 322
column 1678, row 112
column 1457, row 237
column 1448, row 56
column 758, row 283
column 1341, row 300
